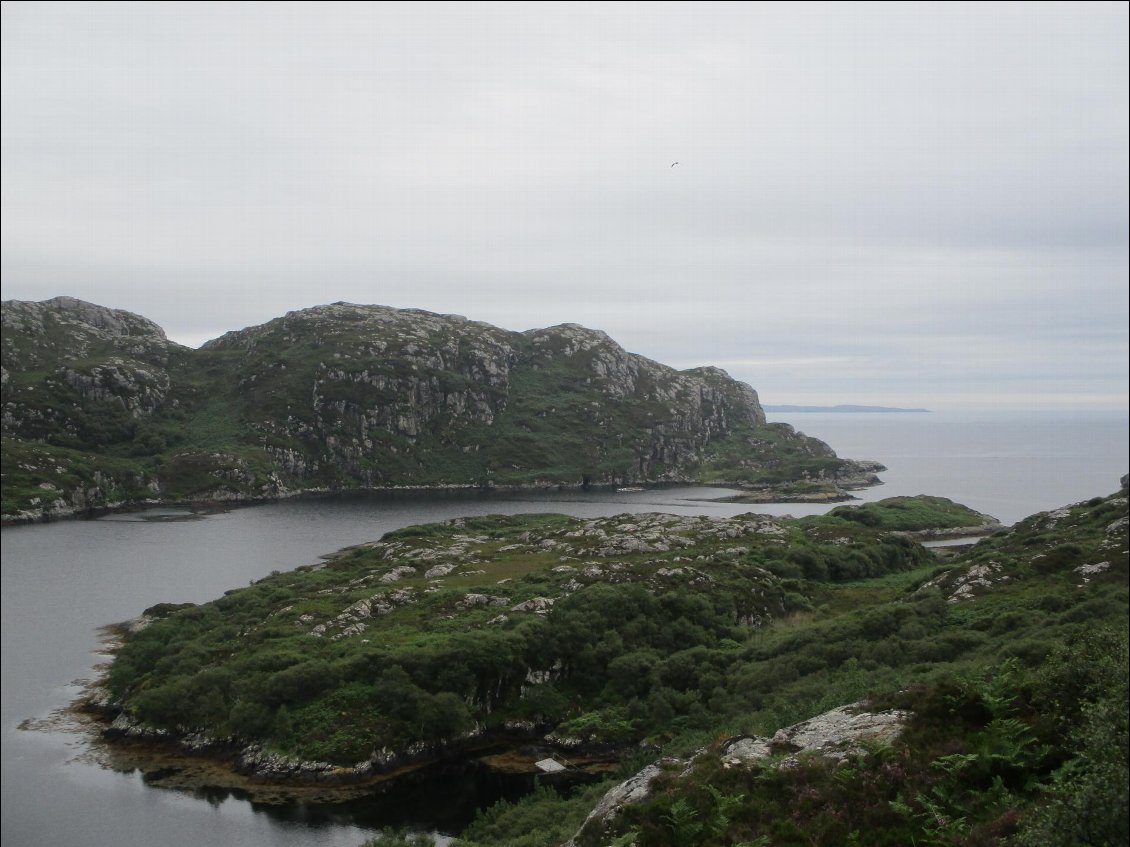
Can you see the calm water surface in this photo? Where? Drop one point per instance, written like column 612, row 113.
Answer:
column 62, row 582
column 1008, row 465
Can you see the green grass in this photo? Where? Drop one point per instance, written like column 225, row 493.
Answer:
column 905, row 513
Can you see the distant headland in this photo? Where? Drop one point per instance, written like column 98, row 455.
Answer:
column 847, row 408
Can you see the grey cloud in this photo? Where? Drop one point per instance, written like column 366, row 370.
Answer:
column 856, row 182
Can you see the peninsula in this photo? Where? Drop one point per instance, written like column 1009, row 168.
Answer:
column 990, row 690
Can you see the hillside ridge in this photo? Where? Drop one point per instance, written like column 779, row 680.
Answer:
column 101, row 410
column 747, row 664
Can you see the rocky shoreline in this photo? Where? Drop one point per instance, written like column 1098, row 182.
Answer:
column 196, row 760
column 766, row 497
column 221, row 501
column 191, row 759
column 836, row 490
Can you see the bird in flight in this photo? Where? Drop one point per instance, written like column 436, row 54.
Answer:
column 673, row 164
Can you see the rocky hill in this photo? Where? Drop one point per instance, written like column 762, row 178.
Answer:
column 100, row 409
column 761, row 680
column 491, row 625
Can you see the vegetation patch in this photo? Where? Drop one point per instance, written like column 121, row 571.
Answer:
column 606, row 631
column 912, row 514
column 658, row 635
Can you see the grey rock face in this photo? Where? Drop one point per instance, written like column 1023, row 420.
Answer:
column 836, row 734
column 451, row 373
column 386, row 372
column 102, row 354
column 88, row 319
column 966, row 584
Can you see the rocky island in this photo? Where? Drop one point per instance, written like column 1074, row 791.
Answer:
column 101, row 410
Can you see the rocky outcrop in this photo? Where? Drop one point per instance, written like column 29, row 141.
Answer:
column 138, row 391
column 596, row 548
column 635, row 789
column 83, row 357
column 66, row 324
column 837, row 734
column 386, row 385
column 990, row 526
column 1085, row 542
column 362, row 380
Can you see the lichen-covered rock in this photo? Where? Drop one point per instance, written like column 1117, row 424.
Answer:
column 836, row 734
column 538, row 605
column 965, row 585
column 631, row 791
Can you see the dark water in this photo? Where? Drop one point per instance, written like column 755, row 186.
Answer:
column 62, row 582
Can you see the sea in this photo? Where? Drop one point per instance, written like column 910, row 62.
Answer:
column 63, row 582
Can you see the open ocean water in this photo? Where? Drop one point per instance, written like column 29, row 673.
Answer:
column 1007, row 464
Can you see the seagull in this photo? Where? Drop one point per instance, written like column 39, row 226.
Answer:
column 673, row 164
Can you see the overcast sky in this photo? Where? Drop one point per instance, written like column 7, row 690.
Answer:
column 918, row 205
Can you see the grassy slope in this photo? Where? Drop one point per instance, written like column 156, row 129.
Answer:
column 909, row 514
column 1019, row 733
